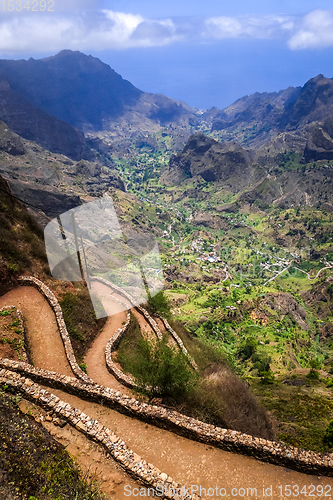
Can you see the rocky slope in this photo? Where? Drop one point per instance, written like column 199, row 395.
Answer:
column 263, row 112
column 10, row 142
column 51, row 182
column 88, row 94
column 264, row 177
column 29, row 122
column 228, row 164
column 256, row 119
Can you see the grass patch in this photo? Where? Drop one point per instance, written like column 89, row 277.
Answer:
column 302, row 413
column 33, row 464
column 80, row 319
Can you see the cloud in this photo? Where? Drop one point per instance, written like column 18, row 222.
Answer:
column 103, row 29
column 262, row 27
column 314, row 31
column 156, row 32
column 91, row 30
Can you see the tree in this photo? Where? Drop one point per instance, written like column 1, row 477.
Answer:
column 248, row 347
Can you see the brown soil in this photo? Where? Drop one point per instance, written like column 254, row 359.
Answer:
column 11, row 336
column 90, row 455
column 95, row 358
column 188, row 462
column 45, row 344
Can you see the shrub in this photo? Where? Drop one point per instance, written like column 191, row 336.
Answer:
column 315, row 363
column 328, row 437
column 247, row 347
column 261, row 362
column 158, row 304
column 267, row 377
column 313, row 375
column 83, row 367
column 161, row 370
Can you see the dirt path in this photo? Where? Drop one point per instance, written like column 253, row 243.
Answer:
column 95, row 358
column 46, row 347
column 192, row 463
column 188, row 462
column 91, row 456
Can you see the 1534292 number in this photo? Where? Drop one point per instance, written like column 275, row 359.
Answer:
column 28, row 5
column 305, row 491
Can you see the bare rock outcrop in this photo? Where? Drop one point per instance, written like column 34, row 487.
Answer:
column 286, row 304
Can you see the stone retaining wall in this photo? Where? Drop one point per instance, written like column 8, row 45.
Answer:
column 110, row 348
column 127, row 296
column 179, row 341
column 50, row 297
column 234, row 441
column 132, row 463
column 148, row 318
column 115, row 339
column 269, row 451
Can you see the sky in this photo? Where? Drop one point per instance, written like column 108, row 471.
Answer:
column 203, row 53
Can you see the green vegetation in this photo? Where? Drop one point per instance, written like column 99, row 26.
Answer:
column 33, row 464
column 328, row 437
column 158, row 304
column 83, row 367
column 214, row 394
column 161, row 370
column 301, row 409
column 11, row 335
column 21, row 244
column 80, row 320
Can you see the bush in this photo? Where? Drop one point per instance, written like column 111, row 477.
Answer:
column 83, row 367
column 161, row 370
column 261, row 362
column 315, row 363
column 158, row 304
column 248, row 347
column 328, row 437
column 313, row 375
column 267, row 377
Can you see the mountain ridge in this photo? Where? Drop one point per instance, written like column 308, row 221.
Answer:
column 95, row 95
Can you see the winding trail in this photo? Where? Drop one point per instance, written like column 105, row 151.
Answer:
column 46, row 347
column 308, row 274
column 187, row 461
column 95, row 358
column 301, row 270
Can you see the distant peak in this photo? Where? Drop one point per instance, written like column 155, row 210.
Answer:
column 68, row 52
column 319, row 78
